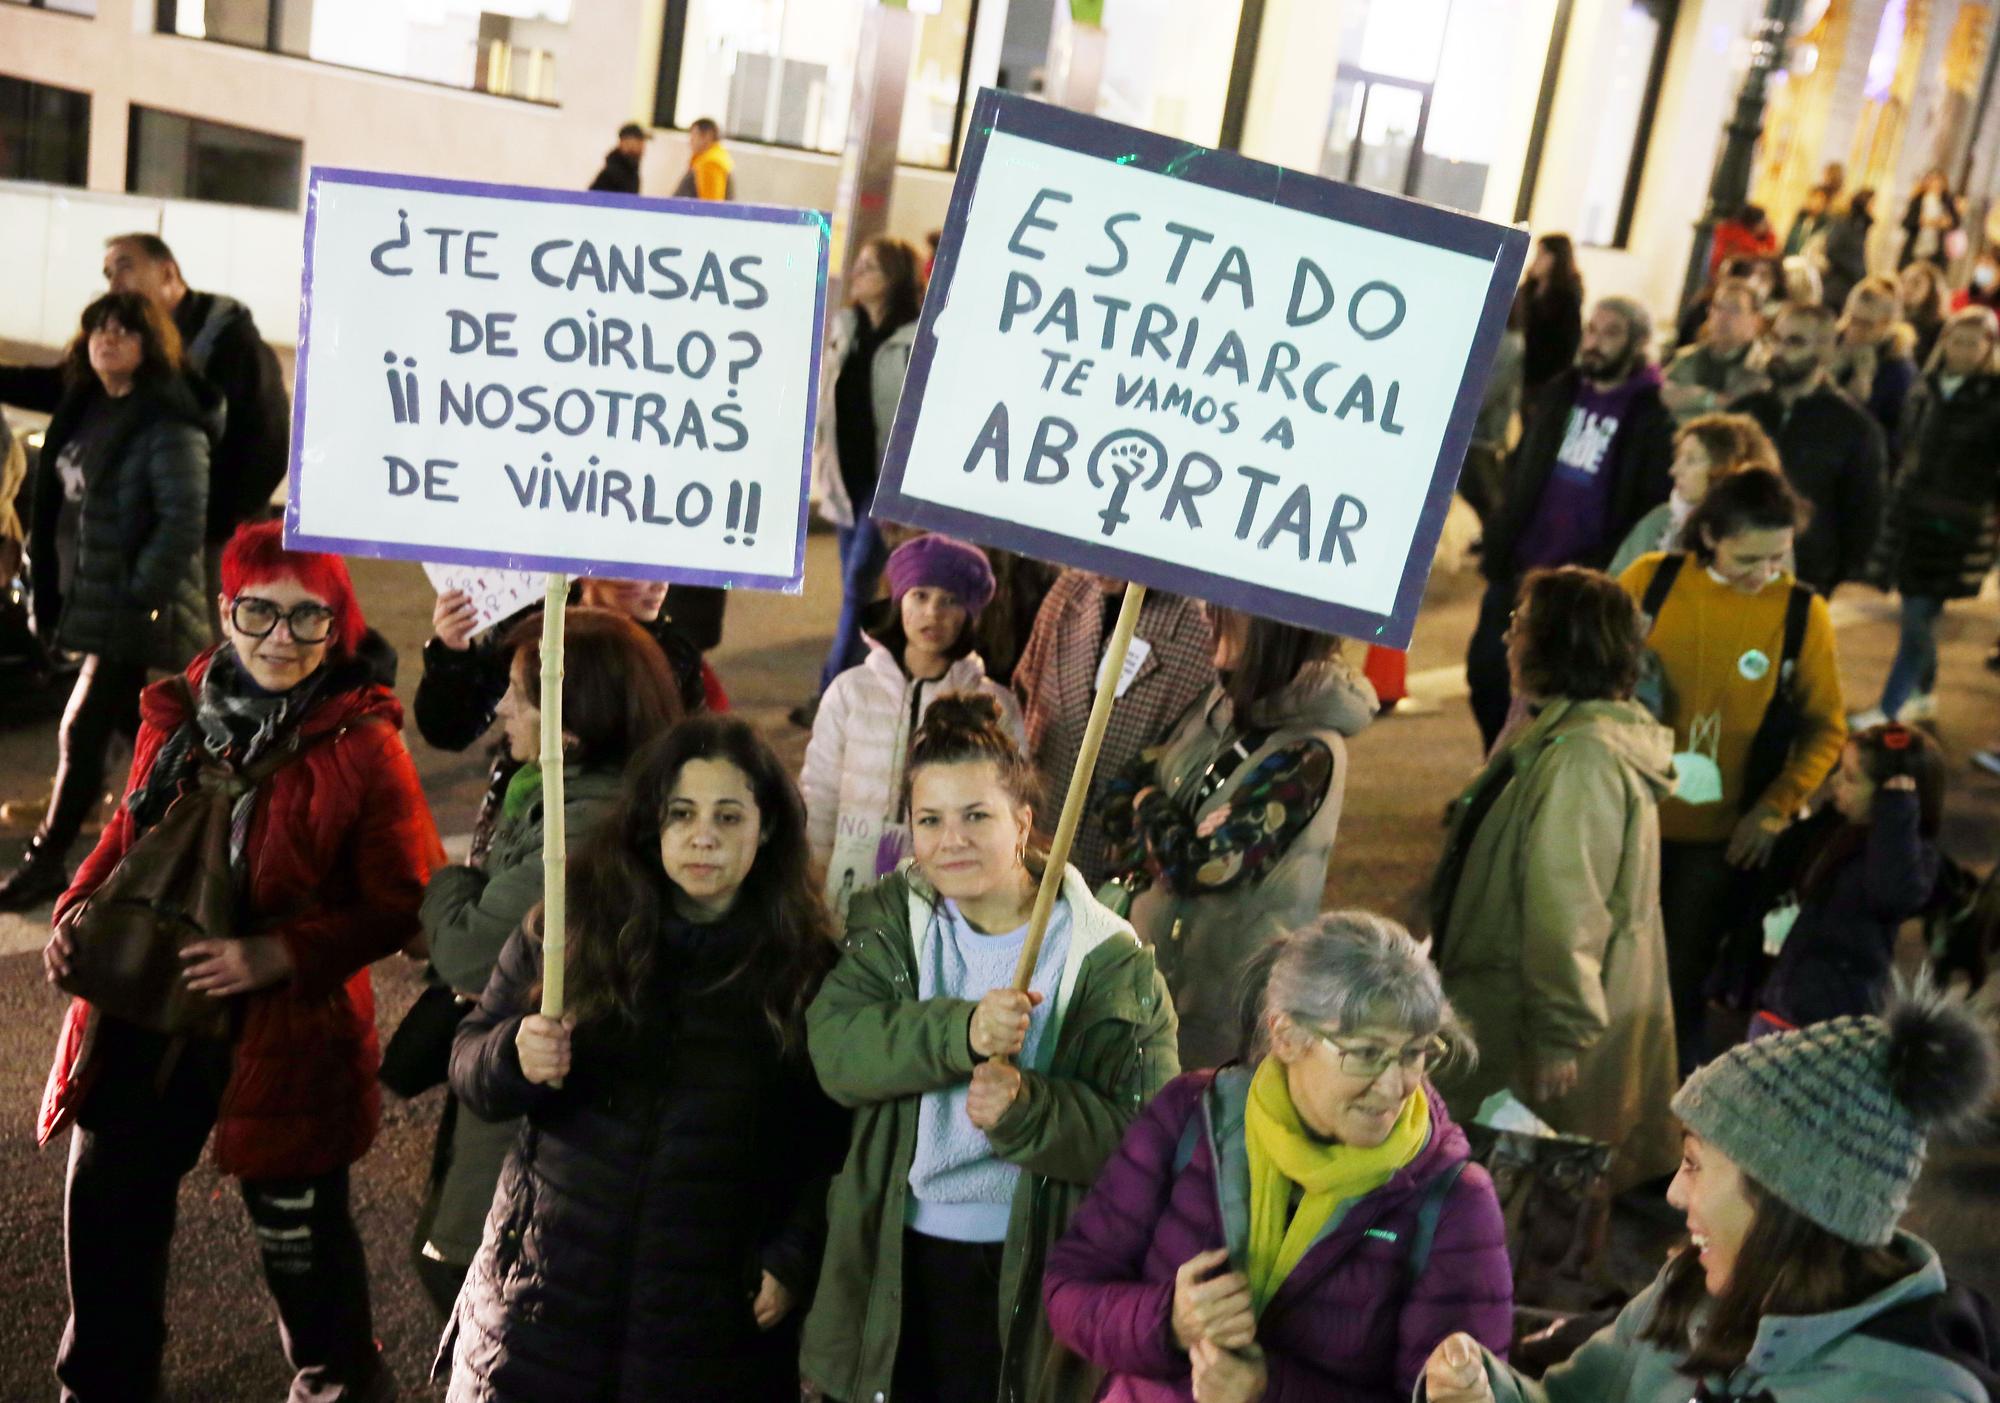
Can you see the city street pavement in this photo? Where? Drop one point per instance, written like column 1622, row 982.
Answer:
column 1404, row 769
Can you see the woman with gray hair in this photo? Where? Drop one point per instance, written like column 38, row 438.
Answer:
column 1306, row 1224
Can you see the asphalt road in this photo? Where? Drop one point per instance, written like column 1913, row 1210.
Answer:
column 223, row 1343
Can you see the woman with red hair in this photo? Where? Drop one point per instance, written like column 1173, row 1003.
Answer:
column 330, row 852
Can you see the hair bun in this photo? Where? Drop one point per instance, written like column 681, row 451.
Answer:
column 1942, row 1063
column 958, row 714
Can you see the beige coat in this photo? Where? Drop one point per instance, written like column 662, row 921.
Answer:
column 1553, row 947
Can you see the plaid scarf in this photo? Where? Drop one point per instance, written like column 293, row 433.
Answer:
column 235, row 723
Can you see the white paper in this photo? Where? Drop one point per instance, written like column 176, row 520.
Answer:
column 1778, row 924
column 496, row 594
column 1135, row 658
column 1503, row 1110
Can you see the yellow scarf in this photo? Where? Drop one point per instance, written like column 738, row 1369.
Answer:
column 1283, row 1153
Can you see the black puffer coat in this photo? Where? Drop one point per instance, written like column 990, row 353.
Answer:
column 645, row 1197
column 136, row 590
column 1940, row 535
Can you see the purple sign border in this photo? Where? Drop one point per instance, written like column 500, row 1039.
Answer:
column 456, row 555
column 1503, row 247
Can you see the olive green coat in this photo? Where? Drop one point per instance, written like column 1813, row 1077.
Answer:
column 878, row 1049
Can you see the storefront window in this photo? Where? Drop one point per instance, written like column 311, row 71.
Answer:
column 1623, row 120
column 782, row 72
column 1166, row 64
column 506, row 47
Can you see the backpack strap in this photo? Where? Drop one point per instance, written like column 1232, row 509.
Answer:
column 1218, row 1120
column 1798, row 610
column 1660, row 586
column 1428, row 1213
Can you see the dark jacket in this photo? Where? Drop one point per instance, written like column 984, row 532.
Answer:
column 225, row 348
column 1835, row 457
column 678, row 1161
column 1941, row 535
column 1846, row 257
column 1346, row 1324
column 1550, row 321
column 1638, row 459
column 1891, row 373
column 620, row 174
column 1913, row 219
column 340, row 845
column 136, row 585
column 1855, row 888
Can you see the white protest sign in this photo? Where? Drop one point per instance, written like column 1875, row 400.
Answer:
column 1197, row 371
column 556, row 381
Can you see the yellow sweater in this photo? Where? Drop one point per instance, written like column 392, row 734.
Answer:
column 1720, row 649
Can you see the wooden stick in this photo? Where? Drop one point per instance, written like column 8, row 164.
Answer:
column 1079, row 782
column 555, row 839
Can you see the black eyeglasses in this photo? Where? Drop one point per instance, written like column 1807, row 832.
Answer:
column 255, row 618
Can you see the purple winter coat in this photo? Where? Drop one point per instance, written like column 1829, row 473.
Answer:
column 1342, row 1328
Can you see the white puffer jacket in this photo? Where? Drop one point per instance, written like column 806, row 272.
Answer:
column 861, row 740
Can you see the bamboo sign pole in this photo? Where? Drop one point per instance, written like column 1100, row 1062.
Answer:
column 555, row 840
column 1079, row 781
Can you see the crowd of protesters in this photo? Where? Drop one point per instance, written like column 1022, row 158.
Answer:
column 811, row 1113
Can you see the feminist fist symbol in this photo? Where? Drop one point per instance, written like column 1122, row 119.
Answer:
column 1129, row 454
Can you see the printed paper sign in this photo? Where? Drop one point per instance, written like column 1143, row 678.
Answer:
column 496, row 594
column 552, row 380
column 1197, row 371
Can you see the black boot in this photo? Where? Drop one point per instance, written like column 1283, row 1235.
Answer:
column 40, row 879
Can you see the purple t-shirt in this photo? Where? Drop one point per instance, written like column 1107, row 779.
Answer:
column 1573, row 517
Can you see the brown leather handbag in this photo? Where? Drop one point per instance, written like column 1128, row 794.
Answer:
column 173, row 887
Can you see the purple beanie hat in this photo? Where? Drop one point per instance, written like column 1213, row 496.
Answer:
column 942, row 563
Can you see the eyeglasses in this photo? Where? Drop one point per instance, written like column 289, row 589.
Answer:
column 1367, row 1064
column 255, row 618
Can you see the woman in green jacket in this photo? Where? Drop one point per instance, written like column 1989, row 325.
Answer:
column 982, row 1115
column 1795, row 1284
column 617, row 695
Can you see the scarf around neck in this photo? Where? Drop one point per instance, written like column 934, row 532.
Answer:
column 1284, row 1153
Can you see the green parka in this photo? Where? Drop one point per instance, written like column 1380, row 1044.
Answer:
column 1109, row 1047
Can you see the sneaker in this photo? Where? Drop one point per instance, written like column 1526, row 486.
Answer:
column 1863, row 720
column 1921, row 707
column 1988, row 759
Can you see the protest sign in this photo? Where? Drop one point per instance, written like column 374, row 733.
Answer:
column 556, row 381
column 1196, row 371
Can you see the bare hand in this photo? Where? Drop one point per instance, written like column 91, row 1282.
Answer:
column 1212, row 821
column 56, row 954
column 773, row 1303
column 1756, row 834
column 994, row 1087
column 1904, row 784
column 1554, row 1080
column 221, row 968
column 1456, row 1372
column 1214, row 1308
column 543, row 1047
column 1226, row 1376
column 453, row 618
column 1000, row 1022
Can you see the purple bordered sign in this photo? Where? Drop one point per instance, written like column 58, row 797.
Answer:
column 556, row 381
column 1197, row 371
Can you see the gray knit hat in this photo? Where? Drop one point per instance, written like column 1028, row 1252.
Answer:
column 1832, row 1118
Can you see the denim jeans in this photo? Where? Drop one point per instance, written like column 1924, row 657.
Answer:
column 861, row 560
column 1916, row 664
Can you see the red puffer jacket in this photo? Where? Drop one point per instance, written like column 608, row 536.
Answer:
column 340, row 846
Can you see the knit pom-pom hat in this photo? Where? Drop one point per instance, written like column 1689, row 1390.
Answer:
column 941, row 562
column 1833, row 1118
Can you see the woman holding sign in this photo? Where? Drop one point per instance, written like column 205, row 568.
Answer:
column 982, row 1112
column 1225, row 829
column 1346, row 1232
column 861, row 378
column 853, row 776
column 657, row 1229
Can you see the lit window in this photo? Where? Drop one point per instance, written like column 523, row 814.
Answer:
column 1622, row 121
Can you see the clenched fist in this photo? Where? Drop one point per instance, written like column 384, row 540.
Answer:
column 1456, row 1372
